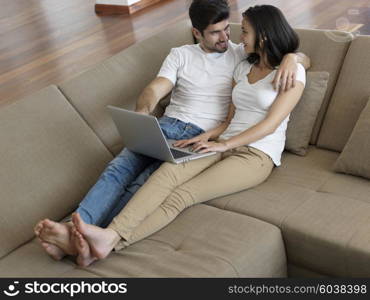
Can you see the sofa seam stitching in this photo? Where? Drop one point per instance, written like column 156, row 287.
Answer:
column 85, row 120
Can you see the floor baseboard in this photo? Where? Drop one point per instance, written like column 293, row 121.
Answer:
column 107, row 9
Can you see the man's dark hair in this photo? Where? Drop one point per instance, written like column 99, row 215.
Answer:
column 274, row 31
column 206, row 12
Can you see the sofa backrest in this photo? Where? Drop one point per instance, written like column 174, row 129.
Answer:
column 327, row 50
column 120, row 79
column 49, row 158
column 349, row 98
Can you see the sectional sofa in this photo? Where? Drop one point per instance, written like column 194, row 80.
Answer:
column 306, row 220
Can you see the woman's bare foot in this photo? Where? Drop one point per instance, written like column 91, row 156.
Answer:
column 100, row 240
column 57, row 234
column 84, row 256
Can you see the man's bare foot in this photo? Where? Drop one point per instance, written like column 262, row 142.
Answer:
column 53, row 251
column 37, row 229
column 57, row 234
column 84, row 256
column 100, row 240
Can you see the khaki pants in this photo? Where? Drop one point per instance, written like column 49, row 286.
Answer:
column 172, row 188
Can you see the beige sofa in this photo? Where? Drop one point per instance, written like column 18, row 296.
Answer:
column 305, row 220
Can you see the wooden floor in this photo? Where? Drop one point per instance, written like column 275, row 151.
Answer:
column 44, row 42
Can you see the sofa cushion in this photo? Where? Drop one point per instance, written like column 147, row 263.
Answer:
column 30, row 260
column 303, row 117
column 349, row 98
column 326, row 50
column 288, row 187
column 347, row 186
column 358, row 260
column 271, row 201
column 49, row 158
column 202, row 241
column 119, row 81
column 326, row 54
column 293, row 183
column 300, row 272
column 355, row 157
column 327, row 233
column 318, row 210
column 309, row 172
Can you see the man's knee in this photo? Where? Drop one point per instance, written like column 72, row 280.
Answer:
column 125, row 155
column 126, row 160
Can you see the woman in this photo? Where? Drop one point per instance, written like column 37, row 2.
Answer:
column 248, row 144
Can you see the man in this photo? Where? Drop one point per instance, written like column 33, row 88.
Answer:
column 200, row 78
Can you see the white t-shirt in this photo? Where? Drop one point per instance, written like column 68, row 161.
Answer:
column 202, row 83
column 252, row 103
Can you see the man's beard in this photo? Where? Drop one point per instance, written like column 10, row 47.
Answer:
column 217, row 49
column 222, row 49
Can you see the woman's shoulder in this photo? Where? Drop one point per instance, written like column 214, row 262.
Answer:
column 241, row 69
column 244, row 65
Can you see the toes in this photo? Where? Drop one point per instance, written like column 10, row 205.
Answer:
column 80, row 239
column 74, row 218
column 77, row 237
column 77, row 221
column 44, row 244
column 37, row 229
column 49, row 224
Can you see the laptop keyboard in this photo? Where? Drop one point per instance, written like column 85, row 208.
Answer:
column 178, row 154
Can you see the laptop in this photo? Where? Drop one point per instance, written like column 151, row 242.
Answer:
column 142, row 134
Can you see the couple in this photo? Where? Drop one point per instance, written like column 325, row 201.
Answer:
column 231, row 99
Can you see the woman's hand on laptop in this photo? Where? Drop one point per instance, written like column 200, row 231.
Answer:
column 204, row 147
column 199, row 138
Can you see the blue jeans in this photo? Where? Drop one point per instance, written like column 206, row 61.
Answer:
column 125, row 174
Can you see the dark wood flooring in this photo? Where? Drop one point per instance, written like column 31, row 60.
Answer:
column 44, row 42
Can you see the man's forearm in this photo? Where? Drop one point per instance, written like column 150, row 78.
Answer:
column 217, row 131
column 151, row 95
column 147, row 101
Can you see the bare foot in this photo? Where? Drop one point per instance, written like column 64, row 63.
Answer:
column 57, row 234
column 53, row 251
column 37, row 229
column 84, row 256
column 100, row 240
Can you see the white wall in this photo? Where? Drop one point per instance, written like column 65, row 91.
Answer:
column 117, row 2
